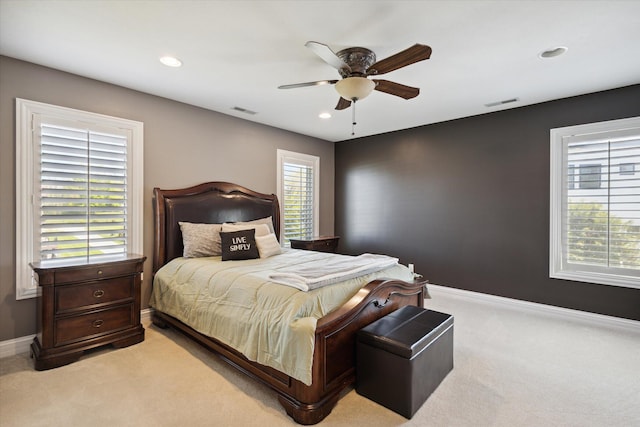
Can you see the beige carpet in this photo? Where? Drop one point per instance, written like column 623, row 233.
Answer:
column 512, row 368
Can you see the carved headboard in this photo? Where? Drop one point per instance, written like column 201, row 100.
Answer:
column 211, row 202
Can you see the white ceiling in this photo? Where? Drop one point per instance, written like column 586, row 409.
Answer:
column 236, row 53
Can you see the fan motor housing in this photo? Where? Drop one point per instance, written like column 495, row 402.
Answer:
column 359, row 59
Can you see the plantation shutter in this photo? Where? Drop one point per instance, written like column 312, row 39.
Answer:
column 298, row 183
column 601, row 214
column 82, row 192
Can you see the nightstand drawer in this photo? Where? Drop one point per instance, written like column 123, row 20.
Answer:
column 75, row 297
column 320, row 244
column 74, row 328
column 326, row 245
column 91, row 273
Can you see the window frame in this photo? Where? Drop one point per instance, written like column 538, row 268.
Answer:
column 285, row 156
column 558, row 265
column 27, row 178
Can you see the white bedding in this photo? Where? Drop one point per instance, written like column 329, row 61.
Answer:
column 314, row 275
column 236, row 303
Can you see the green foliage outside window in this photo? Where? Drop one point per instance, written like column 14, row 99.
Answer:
column 599, row 238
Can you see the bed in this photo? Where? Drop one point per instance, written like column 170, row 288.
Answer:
column 332, row 365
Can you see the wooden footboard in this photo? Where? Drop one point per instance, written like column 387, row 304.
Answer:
column 334, row 355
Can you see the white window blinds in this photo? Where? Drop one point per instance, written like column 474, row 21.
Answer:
column 298, row 192
column 298, row 201
column 602, row 218
column 596, row 212
column 79, row 187
column 83, row 193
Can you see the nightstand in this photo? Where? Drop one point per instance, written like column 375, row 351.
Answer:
column 83, row 305
column 320, row 244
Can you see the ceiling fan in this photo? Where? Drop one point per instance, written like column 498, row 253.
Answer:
column 356, row 64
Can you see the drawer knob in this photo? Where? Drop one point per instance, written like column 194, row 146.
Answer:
column 97, row 323
column 99, row 272
column 99, row 293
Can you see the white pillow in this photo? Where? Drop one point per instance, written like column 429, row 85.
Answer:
column 268, row 220
column 268, row 245
column 200, row 240
column 261, row 229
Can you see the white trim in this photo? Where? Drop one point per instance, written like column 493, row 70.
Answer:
column 25, row 281
column 15, row 346
column 21, row 345
column 559, row 268
column 145, row 315
column 544, row 309
column 293, row 157
column 26, row 286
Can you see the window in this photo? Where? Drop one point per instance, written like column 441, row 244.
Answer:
column 298, row 191
column 595, row 203
column 78, row 188
column 590, row 176
column 627, row 168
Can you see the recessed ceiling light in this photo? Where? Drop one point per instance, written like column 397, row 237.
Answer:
column 170, row 61
column 553, row 52
column 324, row 115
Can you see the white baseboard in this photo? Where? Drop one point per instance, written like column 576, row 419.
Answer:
column 549, row 310
column 146, row 314
column 21, row 345
column 15, row 346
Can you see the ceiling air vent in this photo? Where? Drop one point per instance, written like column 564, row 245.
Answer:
column 244, row 110
column 506, row 101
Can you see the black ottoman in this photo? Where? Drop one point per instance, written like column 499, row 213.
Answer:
column 403, row 357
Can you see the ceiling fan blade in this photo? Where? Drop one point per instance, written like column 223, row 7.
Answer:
column 343, row 103
column 392, row 88
column 415, row 53
column 318, row 83
column 329, row 56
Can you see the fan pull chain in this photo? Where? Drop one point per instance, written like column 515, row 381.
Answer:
column 353, row 118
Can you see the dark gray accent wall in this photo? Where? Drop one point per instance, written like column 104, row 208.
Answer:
column 467, row 201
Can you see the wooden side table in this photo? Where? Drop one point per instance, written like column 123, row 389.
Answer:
column 83, row 305
column 320, row 244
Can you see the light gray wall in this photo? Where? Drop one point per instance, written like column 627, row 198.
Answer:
column 184, row 145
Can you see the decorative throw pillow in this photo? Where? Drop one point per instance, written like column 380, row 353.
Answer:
column 238, row 245
column 261, row 229
column 268, row 245
column 200, row 240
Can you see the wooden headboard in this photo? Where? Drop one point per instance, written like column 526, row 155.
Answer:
column 212, row 203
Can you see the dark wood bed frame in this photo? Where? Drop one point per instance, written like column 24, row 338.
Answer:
column 333, row 369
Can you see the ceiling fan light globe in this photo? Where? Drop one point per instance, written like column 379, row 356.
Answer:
column 355, row 88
